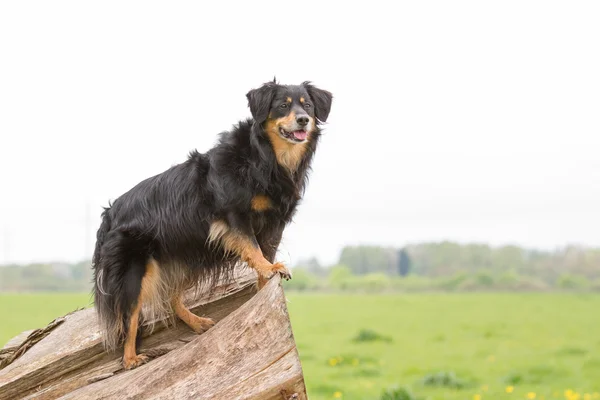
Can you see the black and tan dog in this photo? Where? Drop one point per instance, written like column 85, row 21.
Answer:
column 194, row 222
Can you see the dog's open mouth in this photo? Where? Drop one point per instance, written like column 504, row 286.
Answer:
column 296, row 136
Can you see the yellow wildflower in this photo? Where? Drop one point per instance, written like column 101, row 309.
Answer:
column 337, row 395
column 587, row 396
column 477, row 397
column 333, row 362
column 510, row 389
column 531, row 395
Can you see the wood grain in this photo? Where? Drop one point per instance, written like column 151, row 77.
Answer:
column 249, row 354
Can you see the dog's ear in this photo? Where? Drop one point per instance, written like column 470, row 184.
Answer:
column 321, row 99
column 259, row 101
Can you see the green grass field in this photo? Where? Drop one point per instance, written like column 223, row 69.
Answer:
column 535, row 346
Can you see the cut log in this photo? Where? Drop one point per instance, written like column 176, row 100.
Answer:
column 249, row 354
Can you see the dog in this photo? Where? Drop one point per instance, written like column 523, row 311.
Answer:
column 194, row 222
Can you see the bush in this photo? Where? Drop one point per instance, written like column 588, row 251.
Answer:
column 398, row 393
column 454, row 282
column 341, row 278
column 368, row 335
column 484, row 279
column 572, row 282
column 444, row 379
column 374, row 282
column 530, row 283
column 302, row 280
column 508, row 279
column 514, row 378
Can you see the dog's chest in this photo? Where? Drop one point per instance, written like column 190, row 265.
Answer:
column 279, row 201
column 274, row 207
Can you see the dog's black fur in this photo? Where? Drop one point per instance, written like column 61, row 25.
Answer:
column 168, row 217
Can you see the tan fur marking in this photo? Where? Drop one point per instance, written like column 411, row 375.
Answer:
column 150, row 281
column 130, row 358
column 248, row 251
column 289, row 99
column 288, row 154
column 261, row 203
column 149, row 289
column 287, row 121
column 302, row 100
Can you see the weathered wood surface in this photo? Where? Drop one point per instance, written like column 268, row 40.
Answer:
column 249, row 354
column 16, row 341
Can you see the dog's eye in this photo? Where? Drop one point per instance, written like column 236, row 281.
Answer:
column 284, row 105
column 307, row 105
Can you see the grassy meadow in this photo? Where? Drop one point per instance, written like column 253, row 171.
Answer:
column 439, row 346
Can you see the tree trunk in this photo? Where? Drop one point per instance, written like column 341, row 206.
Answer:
column 249, row 354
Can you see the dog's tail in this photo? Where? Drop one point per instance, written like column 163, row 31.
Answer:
column 101, row 237
column 110, row 317
column 121, row 261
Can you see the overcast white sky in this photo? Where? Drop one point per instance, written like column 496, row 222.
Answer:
column 465, row 120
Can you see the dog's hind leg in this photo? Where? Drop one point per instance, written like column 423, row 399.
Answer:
column 142, row 290
column 198, row 324
column 131, row 359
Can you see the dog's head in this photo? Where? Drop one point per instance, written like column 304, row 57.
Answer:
column 292, row 111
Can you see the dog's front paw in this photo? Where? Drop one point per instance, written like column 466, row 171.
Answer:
column 282, row 270
column 268, row 271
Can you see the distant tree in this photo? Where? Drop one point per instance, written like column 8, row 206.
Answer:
column 403, row 263
column 367, row 259
column 509, row 258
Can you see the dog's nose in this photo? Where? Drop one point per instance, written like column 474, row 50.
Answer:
column 302, row 120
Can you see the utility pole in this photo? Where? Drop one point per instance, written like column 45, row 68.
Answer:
column 88, row 230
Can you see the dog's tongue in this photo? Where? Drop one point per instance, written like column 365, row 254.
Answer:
column 300, row 135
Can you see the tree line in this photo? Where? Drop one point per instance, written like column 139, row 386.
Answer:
column 453, row 266
column 423, row 266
